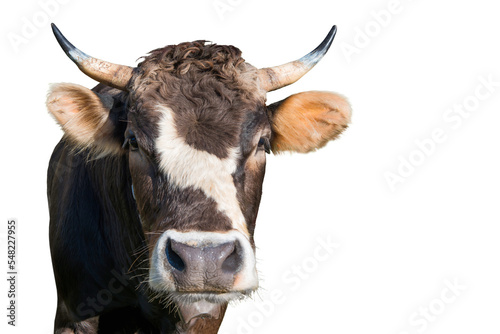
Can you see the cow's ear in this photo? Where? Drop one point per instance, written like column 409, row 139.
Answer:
column 306, row 121
column 86, row 118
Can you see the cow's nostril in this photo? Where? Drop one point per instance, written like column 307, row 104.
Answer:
column 233, row 262
column 173, row 258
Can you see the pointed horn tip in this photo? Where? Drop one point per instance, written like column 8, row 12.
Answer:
column 313, row 57
column 280, row 76
column 331, row 34
column 69, row 49
column 57, row 33
column 334, row 29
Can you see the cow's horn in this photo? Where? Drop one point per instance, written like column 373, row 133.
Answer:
column 113, row 75
column 272, row 78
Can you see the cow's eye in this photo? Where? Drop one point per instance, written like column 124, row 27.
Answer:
column 132, row 142
column 264, row 144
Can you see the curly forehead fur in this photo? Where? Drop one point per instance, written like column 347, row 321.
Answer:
column 196, row 62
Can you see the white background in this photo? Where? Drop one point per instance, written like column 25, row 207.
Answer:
column 397, row 247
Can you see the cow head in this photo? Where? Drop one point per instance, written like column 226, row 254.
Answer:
column 193, row 122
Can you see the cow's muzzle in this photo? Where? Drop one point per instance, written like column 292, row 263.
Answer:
column 192, row 267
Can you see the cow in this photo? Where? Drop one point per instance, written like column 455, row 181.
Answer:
column 155, row 186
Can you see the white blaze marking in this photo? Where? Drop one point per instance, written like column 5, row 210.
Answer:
column 189, row 167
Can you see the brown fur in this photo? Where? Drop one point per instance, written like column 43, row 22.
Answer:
column 306, row 121
column 193, row 61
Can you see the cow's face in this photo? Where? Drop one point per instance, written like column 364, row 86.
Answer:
column 196, row 137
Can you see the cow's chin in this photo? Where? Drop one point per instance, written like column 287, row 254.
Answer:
column 192, row 308
column 202, row 306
